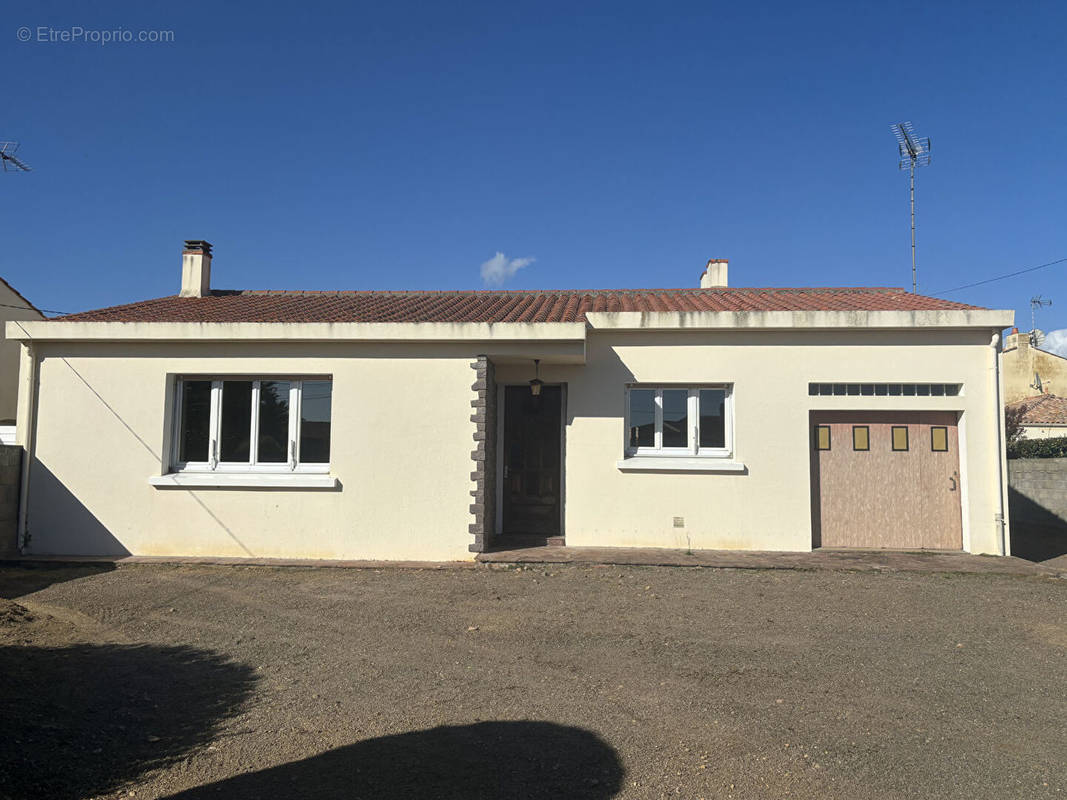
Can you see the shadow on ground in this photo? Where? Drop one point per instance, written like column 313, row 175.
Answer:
column 487, row 760
column 22, row 578
column 80, row 720
column 1037, row 534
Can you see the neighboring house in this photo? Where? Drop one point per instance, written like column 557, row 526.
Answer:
column 1030, row 371
column 13, row 306
column 1043, row 417
column 432, row 425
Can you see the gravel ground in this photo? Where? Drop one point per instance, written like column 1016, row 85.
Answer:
column 564, row 681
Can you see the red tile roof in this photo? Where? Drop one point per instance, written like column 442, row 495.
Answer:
column 1046, row 409
column 498, row 306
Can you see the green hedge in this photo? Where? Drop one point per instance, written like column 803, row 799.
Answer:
column 1039, row 448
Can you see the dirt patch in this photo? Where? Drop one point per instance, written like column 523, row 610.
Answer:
column 12, row 615
column 576, row 681
column 85, row 712
column 20, row 625
column 1054, row 634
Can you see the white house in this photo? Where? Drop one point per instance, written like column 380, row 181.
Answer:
column 432, row 425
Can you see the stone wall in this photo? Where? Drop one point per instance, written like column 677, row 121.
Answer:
column 1037, row 504
column 484, row 454
column 10, row 473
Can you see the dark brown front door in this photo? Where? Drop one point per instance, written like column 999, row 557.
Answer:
column 532, row 461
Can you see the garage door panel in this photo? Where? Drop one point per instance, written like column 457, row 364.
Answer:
column 940, row 470
column 881, row 497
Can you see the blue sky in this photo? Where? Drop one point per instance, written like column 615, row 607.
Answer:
column 403, row 145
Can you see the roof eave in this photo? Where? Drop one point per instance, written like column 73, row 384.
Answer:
column 58, row 330
column 784, row 320
column 73, row 331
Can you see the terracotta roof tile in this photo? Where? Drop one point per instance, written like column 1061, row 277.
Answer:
column 1046, row 409
column 497, row 306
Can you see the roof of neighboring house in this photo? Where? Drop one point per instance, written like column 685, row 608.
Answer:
column 1046, row 409
column 569, row 305
column 20, row 296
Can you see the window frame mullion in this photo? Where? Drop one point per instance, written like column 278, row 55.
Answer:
column 728, row 422
column 296, row 390
column 179, row 416
column 214, row 425
column 657, row 403
column 693, row 418
column 253, row 440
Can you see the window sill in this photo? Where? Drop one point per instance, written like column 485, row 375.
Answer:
column 245, row 480
column 677, row 464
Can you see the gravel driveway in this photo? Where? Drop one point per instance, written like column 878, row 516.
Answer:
column 567, row 681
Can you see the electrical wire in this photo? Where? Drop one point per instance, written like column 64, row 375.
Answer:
column 1000, row 277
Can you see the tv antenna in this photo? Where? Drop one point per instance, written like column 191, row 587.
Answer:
column 7, row 158
column 914, row 152
column 1036, row 303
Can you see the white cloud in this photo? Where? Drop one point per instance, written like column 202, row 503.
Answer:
column 1056, row 342
column 499, row 268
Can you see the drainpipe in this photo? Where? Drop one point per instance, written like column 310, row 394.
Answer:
column 27, row 435
column 998, row 414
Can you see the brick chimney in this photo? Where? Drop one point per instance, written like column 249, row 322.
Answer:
column 714, row 274
column 196, row 268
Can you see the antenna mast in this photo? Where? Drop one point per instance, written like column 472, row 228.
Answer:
column 914, row 152
column 8, row 160
column 1036, row 303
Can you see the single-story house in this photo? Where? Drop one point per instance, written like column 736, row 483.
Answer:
column 1041, row 417
column 436, row 424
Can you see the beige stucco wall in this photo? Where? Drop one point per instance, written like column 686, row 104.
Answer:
column 1022, row 362
column 11, row 308
column 401, row 444
column 768, row 507
column 402, row 441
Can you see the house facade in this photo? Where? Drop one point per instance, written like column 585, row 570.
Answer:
column 434, row 425
column 1030, row 371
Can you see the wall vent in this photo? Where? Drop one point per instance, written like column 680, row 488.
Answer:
column 885, row 389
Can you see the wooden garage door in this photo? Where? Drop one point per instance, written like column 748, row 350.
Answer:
column 902, row 492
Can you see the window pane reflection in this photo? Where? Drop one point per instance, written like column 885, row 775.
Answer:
column 642, row 418
column 315, row 402
column 236, row 421
column 675, row 417
column 196, row 419
column 273, row 443
column 713, row 418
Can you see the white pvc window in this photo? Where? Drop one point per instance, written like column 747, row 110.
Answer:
column 245, row 424
column 679, row 421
